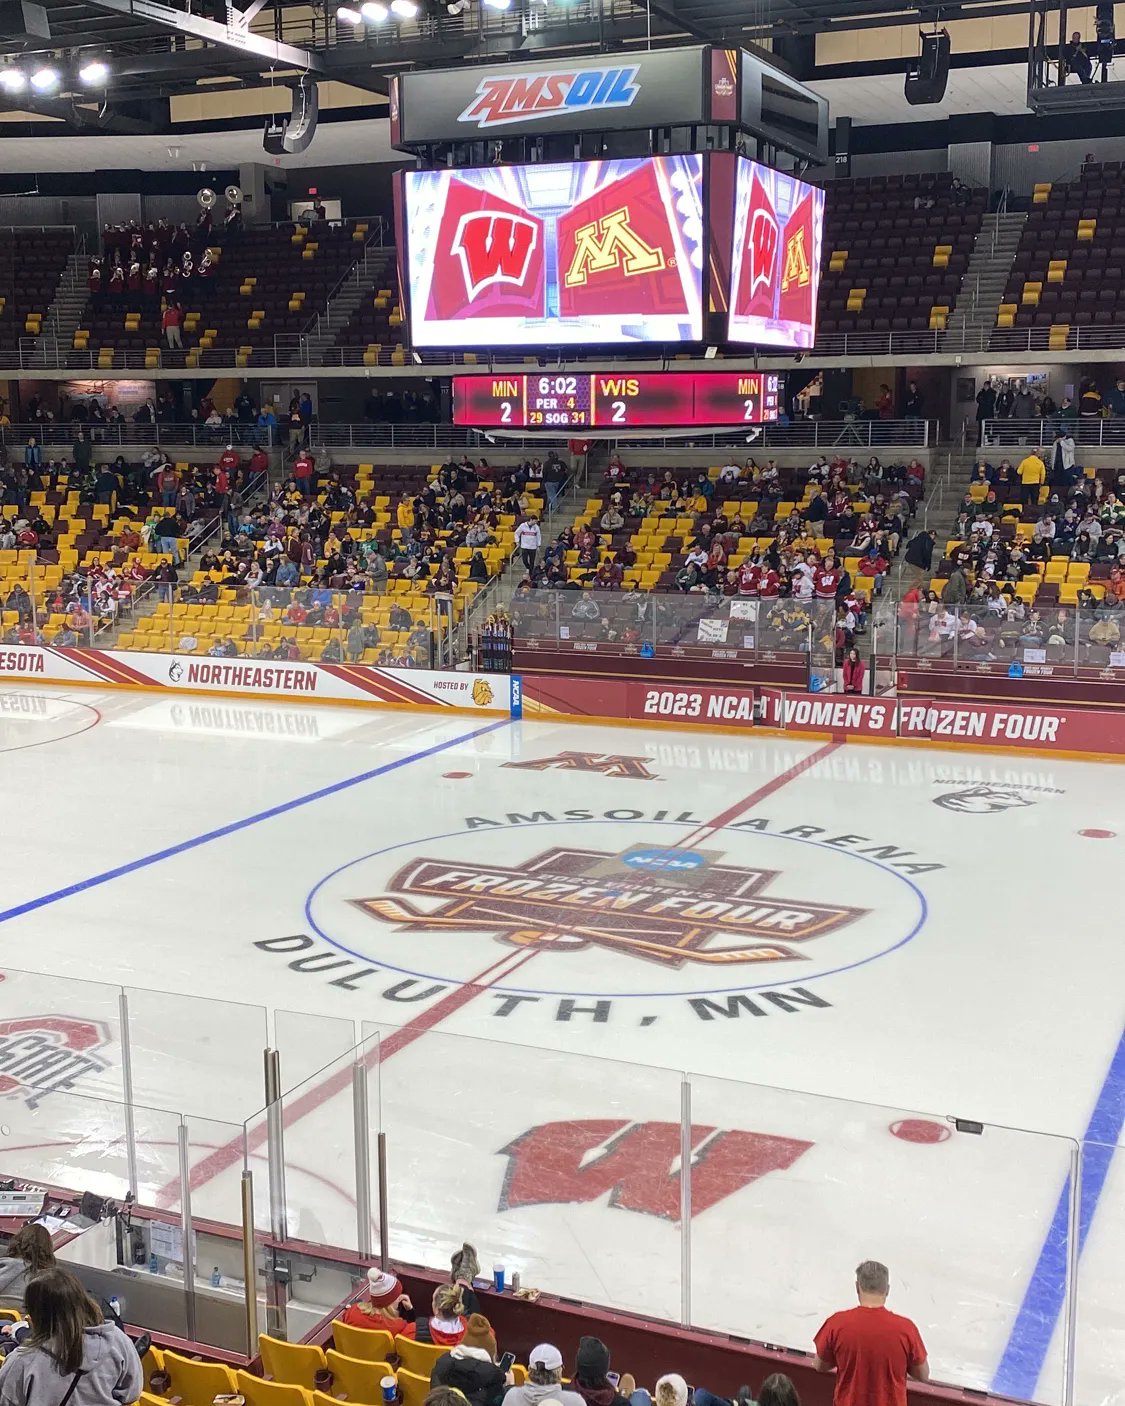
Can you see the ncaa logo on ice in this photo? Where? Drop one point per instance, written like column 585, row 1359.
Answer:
column 584, row 913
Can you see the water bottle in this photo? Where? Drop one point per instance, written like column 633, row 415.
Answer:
column 153, row 1264
column 216, row 1278
column 115, row 1306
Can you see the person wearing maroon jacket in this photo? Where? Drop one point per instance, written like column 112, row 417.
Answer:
column 169, row 282
column 826, row 578
column 230, row 459
column 117, row 279
column 94, row 277
column 135, row 277
column 152, row 281
column 769, row 583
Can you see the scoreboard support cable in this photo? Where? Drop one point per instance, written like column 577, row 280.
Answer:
column 612, row 400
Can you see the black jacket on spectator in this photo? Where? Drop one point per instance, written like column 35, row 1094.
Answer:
column 472, row 1373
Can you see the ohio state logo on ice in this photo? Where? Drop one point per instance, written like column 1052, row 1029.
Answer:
column 45, row 1054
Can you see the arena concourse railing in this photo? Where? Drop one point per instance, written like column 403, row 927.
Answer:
column 358, row 1149
column 846, row 437
column 1089, row 431
column 298, row 350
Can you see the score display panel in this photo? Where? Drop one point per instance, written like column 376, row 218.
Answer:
column 648, row 400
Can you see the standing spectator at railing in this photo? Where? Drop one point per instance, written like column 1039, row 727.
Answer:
column 913, row 402
column 266, row 426
column 986, row 408
column 1090, row 401
column 170, row 323
column 33, row 455
column 852, row 671
column 871, row 1350
column 1115, row 399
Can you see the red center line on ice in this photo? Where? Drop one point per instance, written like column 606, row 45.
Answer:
column 231, row 1153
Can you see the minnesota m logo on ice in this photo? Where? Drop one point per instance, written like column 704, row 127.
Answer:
column 46, row 1054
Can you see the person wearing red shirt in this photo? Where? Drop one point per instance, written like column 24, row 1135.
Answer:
column 871, row 1350
column 259, row 462
column 769, row 583
column 382, row 1308
column 826, row 578
column 170, row 322
column 303, row 468
column 749, row 578
column 230, row 459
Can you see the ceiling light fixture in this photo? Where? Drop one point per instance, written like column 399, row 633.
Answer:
column 405, row 9
column 497, row 4
column 374, row 12
column 349, row 16
column 43, row 80
column 12, row 80
column 94, row 73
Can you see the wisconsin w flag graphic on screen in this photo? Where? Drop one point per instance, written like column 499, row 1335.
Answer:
column 581, row 252
column 775, row 263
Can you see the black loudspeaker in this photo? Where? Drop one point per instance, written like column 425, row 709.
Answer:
column 842, row 147
column 295, row 132
column 926, row 83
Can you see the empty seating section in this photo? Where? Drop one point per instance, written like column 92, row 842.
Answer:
column 1069, row 268
column 376, row 325
column 265, row 282
column 895, row 251
column 31, row 265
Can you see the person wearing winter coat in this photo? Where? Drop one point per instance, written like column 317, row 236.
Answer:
column 544, row 1378
column 470, row 1367
column 71, row 1357
column 853, row 672
column 29, row 1253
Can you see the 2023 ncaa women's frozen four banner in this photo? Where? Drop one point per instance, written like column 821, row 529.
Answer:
column 964, row 723
column 317, row 683
column 568, row 252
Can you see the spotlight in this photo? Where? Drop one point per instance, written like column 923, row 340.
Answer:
column 12, row 80
column 349, row 16
column 374, row 11
column 405, row 9
column 44, row 79
column 95, row 73
column 497, row 4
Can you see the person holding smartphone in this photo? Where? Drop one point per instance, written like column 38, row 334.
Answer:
column 471, row 1367
column 597, row 1385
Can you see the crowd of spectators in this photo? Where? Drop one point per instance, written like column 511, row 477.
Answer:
column 871, row 1352
column 1015, row 520
column 1013, row 407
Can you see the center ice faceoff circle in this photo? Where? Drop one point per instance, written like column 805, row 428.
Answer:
column 610, row 909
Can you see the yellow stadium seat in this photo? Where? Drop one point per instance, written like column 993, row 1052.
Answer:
column 366, row 1344
column 260, row 1392
column 412, row 1388
column 356, row 1379
column 294, row 1363
column 197, row 1383
column 418, row 1357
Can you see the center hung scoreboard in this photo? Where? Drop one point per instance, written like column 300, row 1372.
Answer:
column 560, row 400
column 674, row 249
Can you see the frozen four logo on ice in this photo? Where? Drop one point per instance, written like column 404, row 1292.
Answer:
column 520, row 97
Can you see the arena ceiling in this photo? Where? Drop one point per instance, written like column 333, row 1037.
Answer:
column 156, row 51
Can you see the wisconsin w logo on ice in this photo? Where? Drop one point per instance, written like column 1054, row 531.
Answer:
column 45, row 1054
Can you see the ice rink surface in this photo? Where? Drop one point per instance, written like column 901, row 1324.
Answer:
column 556, row 939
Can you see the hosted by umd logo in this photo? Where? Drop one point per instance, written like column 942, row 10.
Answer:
column 665, row 905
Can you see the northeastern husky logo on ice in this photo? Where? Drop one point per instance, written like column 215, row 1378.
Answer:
column 982, row 800
column 669, row 906
column 46, row 1054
